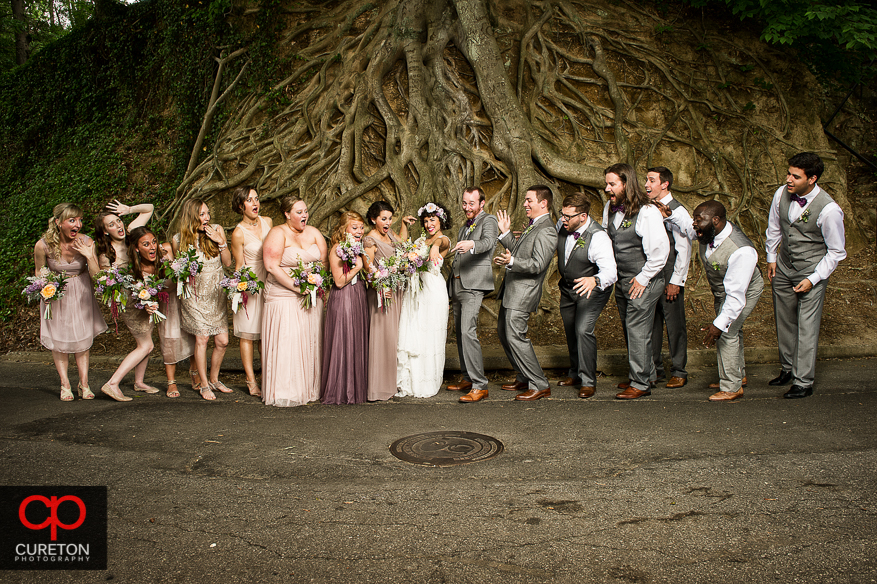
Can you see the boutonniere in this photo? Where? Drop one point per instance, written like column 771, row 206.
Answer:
column 805, row 216
column 580, row 243
column 626, row 223
column 471, row 228
column 716, row 266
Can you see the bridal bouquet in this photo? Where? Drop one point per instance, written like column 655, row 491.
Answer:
column 415, row 256
column 388, row 275
column 109, row 289
column 47, row 286
column 240, row 285
column 182, row 270
column 146, row 293
column 313, row 280
column 348, row 250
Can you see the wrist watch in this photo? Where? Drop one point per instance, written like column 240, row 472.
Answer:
column 597, row 282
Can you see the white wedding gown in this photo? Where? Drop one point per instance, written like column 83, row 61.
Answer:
column 423, row 331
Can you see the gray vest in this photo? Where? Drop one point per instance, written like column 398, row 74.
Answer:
column 803, row 245
column 717, row 265
column 671, row 259
column 628, row 247
column 578, row 265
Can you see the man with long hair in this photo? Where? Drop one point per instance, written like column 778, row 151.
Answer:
column 641, row 247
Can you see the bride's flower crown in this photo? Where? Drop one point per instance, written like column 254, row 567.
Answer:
column 432, row 208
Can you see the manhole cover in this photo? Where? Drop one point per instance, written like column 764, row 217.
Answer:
column 445, row 448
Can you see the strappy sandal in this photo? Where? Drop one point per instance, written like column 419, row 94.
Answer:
column 207, row 393
column 84, row 391
column 254, row 388
column 220, row 386
column 146, row 388
column 172, row 392
column 196, row 379
column 66, row 393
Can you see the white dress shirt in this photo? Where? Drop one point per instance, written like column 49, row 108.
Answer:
column 830, row 222
column 599, row 252
column 741, row 266
column 504, row 233
column 650, row 227
column 682, row 245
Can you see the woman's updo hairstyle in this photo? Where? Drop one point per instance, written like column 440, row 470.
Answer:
column 376, row 209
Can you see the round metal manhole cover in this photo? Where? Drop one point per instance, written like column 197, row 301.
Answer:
column 445, row 448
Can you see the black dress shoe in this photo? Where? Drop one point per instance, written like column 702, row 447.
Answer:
column 798, row 391
column 784, row 378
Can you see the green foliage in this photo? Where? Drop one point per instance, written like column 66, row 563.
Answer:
column 111, row 95
column 836, row 38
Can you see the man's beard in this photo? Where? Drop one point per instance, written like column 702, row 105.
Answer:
column 708, row 235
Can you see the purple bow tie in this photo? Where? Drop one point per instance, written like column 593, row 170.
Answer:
column 470, row 222
column 616, row 208
column 712, row 245
column 800, row 200
column 575, row 234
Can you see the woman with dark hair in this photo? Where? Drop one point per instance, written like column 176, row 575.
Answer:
column 383, row 322
column 76, row 317
column 291, row 333
column 110, row 232
column 345, row 333
column 143, row 259
column 204, row 314
column 423, row 328
column 246, row 248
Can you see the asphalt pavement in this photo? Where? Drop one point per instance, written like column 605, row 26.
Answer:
column 668, row 488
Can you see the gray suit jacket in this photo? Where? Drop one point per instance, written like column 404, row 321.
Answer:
column 521, row 289
column 475, row 269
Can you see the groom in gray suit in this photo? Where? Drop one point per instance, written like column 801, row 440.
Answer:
column 472, row 278
column 526, row 261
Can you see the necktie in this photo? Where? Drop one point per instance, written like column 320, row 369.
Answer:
column 530, row 223
column 712, row 245
column 470, row 222
column 800, row 200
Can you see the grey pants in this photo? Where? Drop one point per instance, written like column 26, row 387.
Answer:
column 579, row 315
column 467, row 305
column 637, row 322
column 798, row 319
column 729, row 346
column 673, row 314
column 512, row 329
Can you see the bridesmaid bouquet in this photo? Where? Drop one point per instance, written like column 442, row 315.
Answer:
column 182, row 270
column 240, row 285
column 312, row 280
column 47, row 286
column 348, row 250
column 147, row 292
column 109, row 288
column 388, row 275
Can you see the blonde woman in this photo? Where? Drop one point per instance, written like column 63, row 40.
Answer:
column 246, row 248
column 76, row 318
column 204, row 314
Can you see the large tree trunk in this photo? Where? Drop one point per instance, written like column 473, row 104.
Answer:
column 411, row 101
column 21, row 48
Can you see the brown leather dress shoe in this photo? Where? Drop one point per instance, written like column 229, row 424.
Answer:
column 516, row 386
column 716, row 384
column 534, row 394
column 462, row 386
column 726, row 395
column 568, row 382
column 586, row 392
column 474, row 396
column 624, row 384
column 632, row 393
column 676, row 382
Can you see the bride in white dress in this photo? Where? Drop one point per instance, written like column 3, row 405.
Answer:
column 423, row 325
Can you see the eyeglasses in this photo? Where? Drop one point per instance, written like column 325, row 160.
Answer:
column 569, row 217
